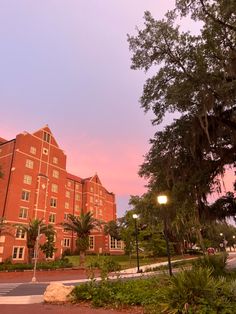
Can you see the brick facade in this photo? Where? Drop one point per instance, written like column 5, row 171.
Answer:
column 36, row 184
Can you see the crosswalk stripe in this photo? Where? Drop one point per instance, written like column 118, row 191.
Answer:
column 7, row 287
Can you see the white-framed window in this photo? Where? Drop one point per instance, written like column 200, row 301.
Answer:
column 55, row 160
column 29, row 163
column 100, row 202
column 91, row 199
column 77, row 186
column 27, row 179
column 53, row 202
column 45, row 151
column 68, row 194
column 20, row 234
column 54, row 188
column 66, row 242
column 25, row 195
column 46, row 137
column 18, row 252
column 100, row 192
column 52, row 218
column 66, row 216
column 91, row 189
column 23, row 213
column 69, row 183
column 77, row 208
column 67, row 205
column 91, row 242
column 33, row 150
column 77, row 196
column 115, row 244
column 55, row 173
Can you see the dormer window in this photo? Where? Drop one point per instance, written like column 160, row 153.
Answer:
column 46, row 137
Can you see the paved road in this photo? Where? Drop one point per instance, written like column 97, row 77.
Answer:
column 6, row 288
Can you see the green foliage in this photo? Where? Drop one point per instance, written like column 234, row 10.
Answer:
column 33, row 230
column 9, row 266
column 193, row 291
column 196, row 79
column 217, row 263
column 106, row 264
column 82, row 226
column 113, row 228
column 196, row 291
column 48, row 248
column 117, row 293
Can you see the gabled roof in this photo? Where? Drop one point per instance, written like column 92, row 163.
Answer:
column 46, row 129
column 94, row 178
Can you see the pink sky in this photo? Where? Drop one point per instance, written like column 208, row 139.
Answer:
column 66, row 63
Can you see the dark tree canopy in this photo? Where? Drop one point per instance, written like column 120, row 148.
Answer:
column 195, row 77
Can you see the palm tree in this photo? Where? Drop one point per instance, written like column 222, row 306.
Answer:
column 82, row 226
column 33, row 229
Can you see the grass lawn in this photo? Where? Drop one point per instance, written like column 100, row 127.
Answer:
column 124, row 260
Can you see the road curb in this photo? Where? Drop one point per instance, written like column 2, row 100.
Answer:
column 26, row 299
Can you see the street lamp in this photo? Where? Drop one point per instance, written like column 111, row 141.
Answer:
column 135, row 216
column 224, row 241
column 162, row 200
column 36, row 249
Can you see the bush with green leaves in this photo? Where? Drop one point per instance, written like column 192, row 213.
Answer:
column 118, row 293
column 106, row 265
column 193, row 291
column 196, row 291
column 216, row 262
column 9, row 266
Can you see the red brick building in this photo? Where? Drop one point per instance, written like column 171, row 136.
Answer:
column 36, row 184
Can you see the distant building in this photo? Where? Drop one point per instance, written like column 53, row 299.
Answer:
column 36, row 184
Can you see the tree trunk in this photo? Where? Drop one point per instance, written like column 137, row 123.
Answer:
column 30, row 254
column 82, row 258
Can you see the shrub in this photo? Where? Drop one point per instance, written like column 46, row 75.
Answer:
column 117, row 293
column 216, row 262
column 191, row 291
column 196, row 291
column 61, row 263
column 105, row 264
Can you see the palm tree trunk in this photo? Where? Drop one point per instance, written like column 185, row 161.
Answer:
column 30, row 254
column 82, row 258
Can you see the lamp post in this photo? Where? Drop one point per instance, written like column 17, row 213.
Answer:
column 135, row 216
column 162, row 200
column 224, row 241
column 233, row 242
column 36, row 249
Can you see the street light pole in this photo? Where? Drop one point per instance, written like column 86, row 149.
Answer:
column 36, row 248
column 162, row 200
column 135, row 216
column 224, row 241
